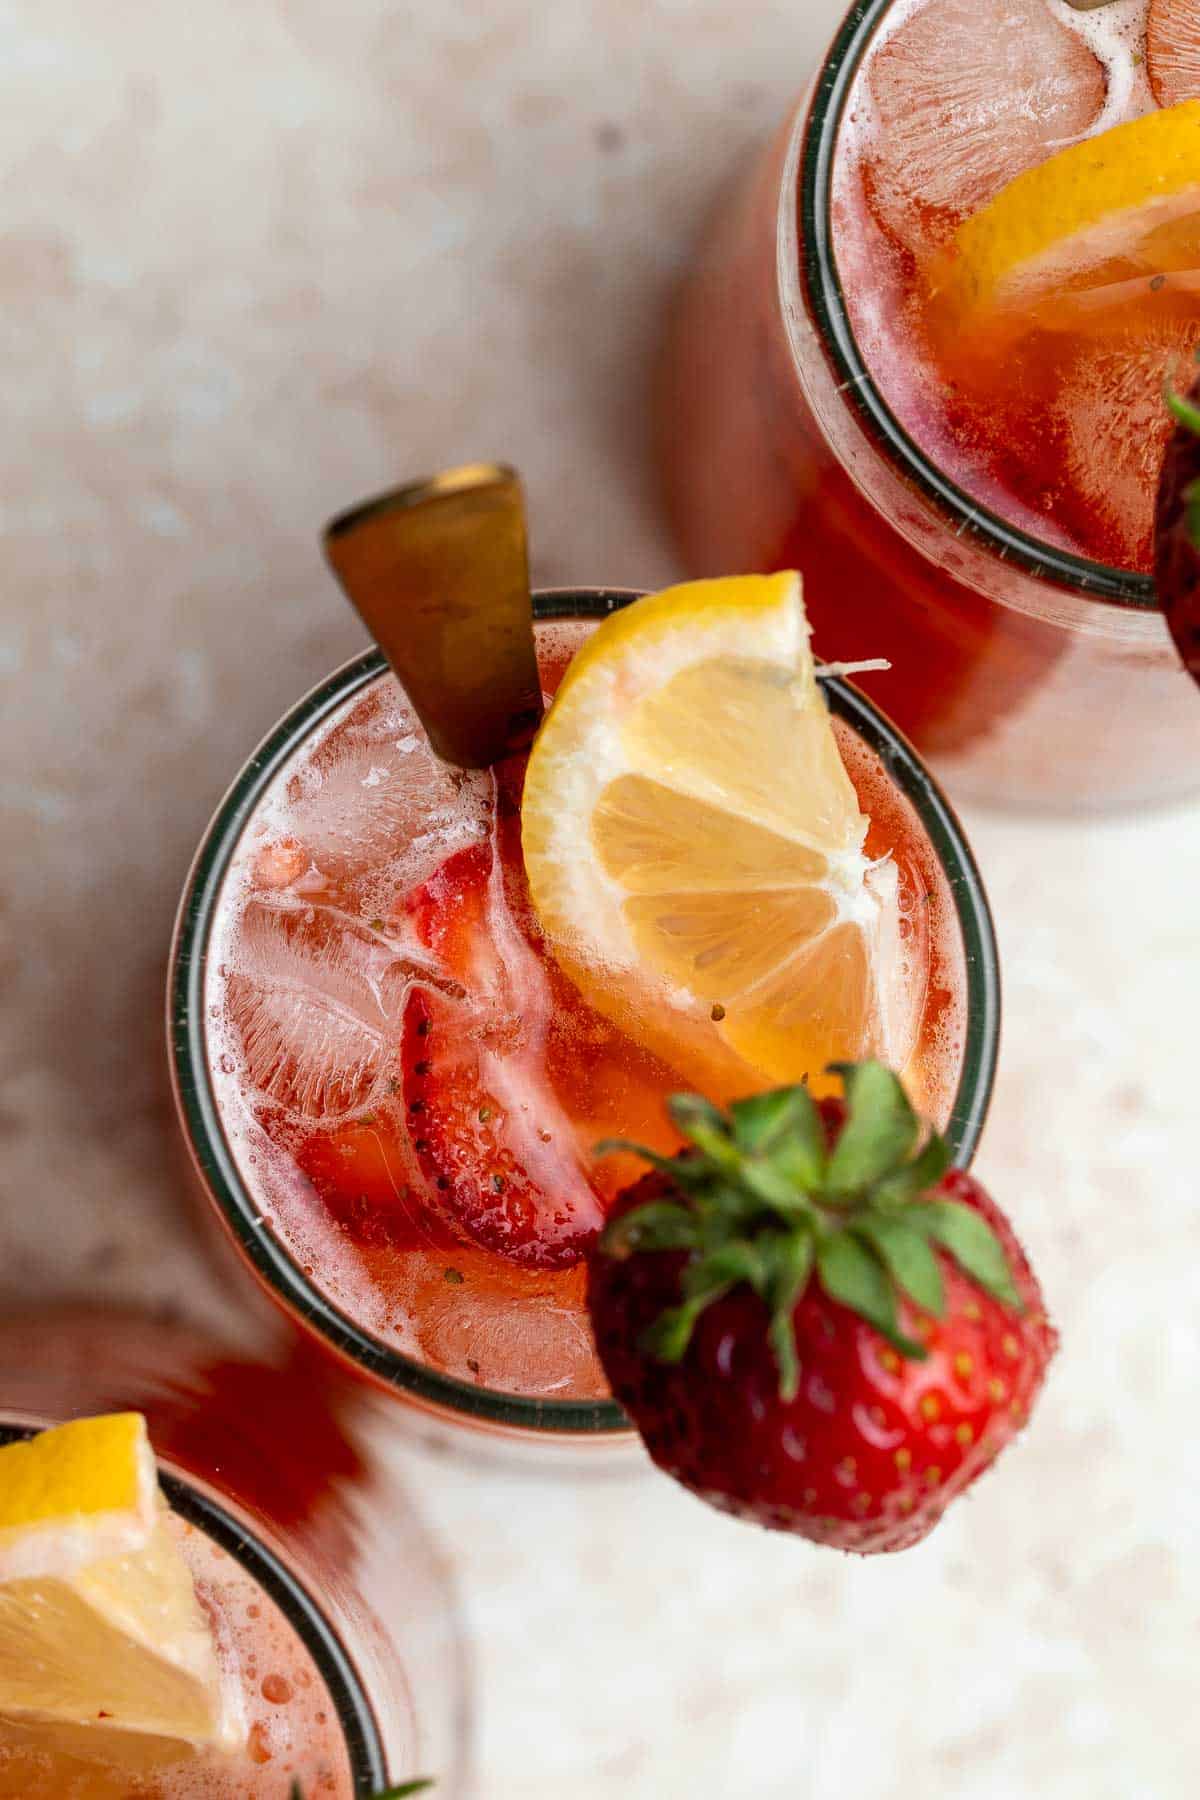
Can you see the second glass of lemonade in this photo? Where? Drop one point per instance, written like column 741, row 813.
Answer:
column 335, row 1628
column 392, row 1094
column 973, row 502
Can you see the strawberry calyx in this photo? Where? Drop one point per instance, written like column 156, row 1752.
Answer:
column 774, row 1194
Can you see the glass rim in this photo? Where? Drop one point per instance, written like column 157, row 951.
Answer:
column 360, row 1731
column 200, row 1111
column 812, row 153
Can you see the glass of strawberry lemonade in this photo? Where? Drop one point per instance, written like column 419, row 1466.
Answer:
column 408, row 1001
column 205, row 1590
column 925, row 347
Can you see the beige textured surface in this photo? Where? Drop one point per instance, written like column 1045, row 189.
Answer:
column 257, row 258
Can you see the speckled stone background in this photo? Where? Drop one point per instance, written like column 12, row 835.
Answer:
column 258, row 258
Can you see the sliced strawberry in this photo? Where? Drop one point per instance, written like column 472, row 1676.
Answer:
column 447, row 915
column 365, row 1182
column 489, row 1133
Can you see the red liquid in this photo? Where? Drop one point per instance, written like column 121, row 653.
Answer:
column 1011, row 682
column 323, row 950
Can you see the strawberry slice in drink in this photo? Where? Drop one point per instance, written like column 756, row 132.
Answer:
column 491, row 1137
column 363, row 1175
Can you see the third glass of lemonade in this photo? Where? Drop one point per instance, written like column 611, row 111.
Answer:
column 925, row 348
column 393, row 1089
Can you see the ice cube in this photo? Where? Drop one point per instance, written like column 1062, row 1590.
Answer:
column 373, row 793
column 313, row 1002
column 1173, row 50
column 967, row 95
column 1110, row 407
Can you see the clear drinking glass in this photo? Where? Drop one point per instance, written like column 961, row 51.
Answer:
column 1027, row 674
column 514, row 1385
column 260, row 1455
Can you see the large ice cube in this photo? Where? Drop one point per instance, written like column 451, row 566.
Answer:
column 1115, row 426
column 968, row 94
column 313, row 1003
column 374, row 801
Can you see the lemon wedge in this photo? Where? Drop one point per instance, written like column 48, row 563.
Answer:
column 100, row 1626
column 694, row 844
column 1095, row 220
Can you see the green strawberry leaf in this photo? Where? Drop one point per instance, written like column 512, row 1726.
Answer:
column 917, row 1177
column 704, row 1281
column 789, row 1256
column 881, row 1128
column 850, row 1274
column 973, row 1244
column 722, row 1268
column 1186, row 411
column 785, row 1128
column 907, row 1257
column 684, row 1173
column 667, row 1339
column 706, row 1126
column 659, row 1225
column 1192, row 499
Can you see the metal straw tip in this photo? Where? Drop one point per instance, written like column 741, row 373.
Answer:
column 446, row 483
column 438, row 571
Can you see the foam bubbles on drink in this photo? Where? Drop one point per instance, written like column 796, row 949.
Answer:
column 289, row 1735
column 928, row 981
column 1116, row 36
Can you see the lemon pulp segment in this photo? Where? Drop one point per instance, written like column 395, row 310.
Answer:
column 694, row 844
column 100, row 1625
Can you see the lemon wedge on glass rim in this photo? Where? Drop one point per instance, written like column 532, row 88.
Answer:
column 100, row 1627
column 695, row 847
column 1086, row 230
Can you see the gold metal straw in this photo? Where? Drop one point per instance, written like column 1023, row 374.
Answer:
column 439, row 573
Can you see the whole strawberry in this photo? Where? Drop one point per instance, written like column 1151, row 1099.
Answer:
column 812, row 1321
